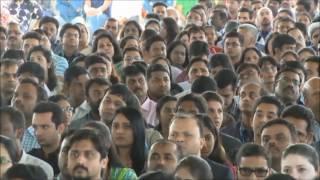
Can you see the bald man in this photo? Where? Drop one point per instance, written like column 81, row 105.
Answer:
column 311, row 93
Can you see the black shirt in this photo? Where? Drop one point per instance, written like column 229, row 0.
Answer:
column 52, row 158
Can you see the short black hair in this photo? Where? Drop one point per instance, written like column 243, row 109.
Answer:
column 95, row 138
column 25, row 171
column 154, row 68
column 67, row 26
column 94, row 59
column 16, row 117
column 159, row 4
column 131, row 49
column 300, row 112
column 172, row 46
column 124, row 41
column 198, row 101
column 279, row 121
column 306, row 5
column 57, row 98
column 195, row 60
column 220, row 59
column 49, row 19
column 280, row 176
column 152, row 40
column 235, row 34
column 133, row 70
column 124, row 92
column 226, row 77
column 13, row 54
column 55, row 109
column 212, row 96
column 11, row 147
column 281, row 40
column 249, row 150
column 243, row 9
column 33, row 68
column 269, row 100
column 202, row 84
column 99, row 81
column 162, row 101
column 265, row 59
column 198, row 48
column 41, row 93
column 153, row 16
column 32, row 35
column 156, row 175
column 244, row 66
column 72, row 73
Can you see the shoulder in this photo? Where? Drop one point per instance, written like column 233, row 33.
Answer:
column 122, row 173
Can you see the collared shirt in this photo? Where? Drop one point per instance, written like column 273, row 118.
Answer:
column 29, row 159
column 68, row 58
column 29, row 140
column 149, row 112
column 246, row 135
column 60, row 64
column 234, row 110
column 52, row 158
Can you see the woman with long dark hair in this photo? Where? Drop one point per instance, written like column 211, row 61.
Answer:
column 128, row 134
column 169, row 29
column 131, row 28
column 177, row 53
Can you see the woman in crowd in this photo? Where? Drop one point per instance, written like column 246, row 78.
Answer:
column 165, row 111
column 169, row 29
column 250, row 55
column 219, row 61
column 300, row 161
column 131, row 28
column 128, row 134
column 177, row 53
column 129, row 41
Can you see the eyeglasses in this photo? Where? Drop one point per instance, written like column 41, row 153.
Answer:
column 4, row 160
column 288, row 80
column 259, row 172
column 131, row 59
column 67, row 109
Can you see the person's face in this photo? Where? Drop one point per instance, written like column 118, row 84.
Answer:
column 215, row 112
column 137, row 84
column 209, row 141
column 198, row 36
column 3, row 42
column 256, row 6
column 232, row 47
column 185, row 40
column 166, row 114
column 303, row 19
column 130, row 57
column 8, row 79
column 253, row 168
column 187, row 107
column 105, row 46
column 71, row 38
column 14, row 36
column 84, row 35
column 186, row 134
column 178, row 55
column 299, row 167
column 243, row 17
column 63, row 157
column 298, row 36
column 100, row 70
column 28, row 44
column 131, row 30
column 264, row 17
column 67, row 111
column 273, row 5
column 249, row 74
column 268, row 72
column 248, row 95
column 227, row 94
column 112, row 26
column 194, row 18
column 45, row 130
column 163, row 157
column 38, row 57
column 6, row 127
column 131, row 43
column 183, row 173
column 45, row 42
column 284, row 26
column 96, row 93
column 108, row 106
column 232, row 5
column 84, row 161
column 76, row 90
column 197, row 70
column 50, row 29
column 275, row 139
column 158, row 48
column 245, row 3
column 161, row 11
column 210, row 35
column 159, row 84
column 312, row 69
column 25, row 98
column 263, row 113
column 287, row 86
column 315, row 37
column 121, row 131
column 301, row 126
column 251, row 57
column 6, row 161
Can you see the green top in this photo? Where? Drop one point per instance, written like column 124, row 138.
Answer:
column 186, row 5
column 122, row 174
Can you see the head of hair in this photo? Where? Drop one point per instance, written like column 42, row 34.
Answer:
column 152, row 40
column 127, row 96
column 172, row 46
column 220, row 59
column 306, row 49
column 155, row 68
column 226, row 77
column 296, row 65
column 124, row 41
column 41, row 93
column 78, row 59
column 32, row 68
column 279, row 176
column 249, row 150
column 32, row 35
column 198, row 101
column 198, row 167
column 287, row 69
column 94, row 59
column 67, row 26
column 73, row 72
column 138, row 152
column 16, row 117
column 195, row 60
column 11, row 148
column 146, row 34
column 45, row 107
column 245, row 66
column 268, row 40
column 312, row 28
column 213, row 96
column 279, row 121
column 134, row 70
column 159, row 3
column 154, row 16
column 267, row 59
column 131, row 49
column 25, row 172
column 202, row 84
column 13, row 54
column 131, row 22
column 246, row 10
column 172, row 29
column 234, row 34
column 4, row 30
column 198, row 49
column 117, row 52
column 156, row 175
column 247, row 50
column 162, row 101
column 269, row 100
column 281, row 40
column 97, row 81
column 49, row 19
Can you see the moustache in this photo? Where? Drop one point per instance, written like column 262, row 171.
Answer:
column 80, row 167
column 289, row 88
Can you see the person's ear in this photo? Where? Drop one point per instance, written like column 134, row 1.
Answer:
column 310, row 138
column 104, row 163
column 19, row 133
column 49, row 64
column 202, row 142
column 61, row 128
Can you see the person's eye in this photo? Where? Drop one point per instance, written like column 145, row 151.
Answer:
column 301, row 170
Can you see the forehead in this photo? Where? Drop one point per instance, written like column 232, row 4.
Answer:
column 253, row 161
column 198, row 64
column 156, row 74
column 114, row 97
column 163, row 147
column 276, row 129
column 290, row 74
column 250, row 87
column 42, row 118
column 84, row 144
column 27, row 87
column 184, row 124
column 267, row 106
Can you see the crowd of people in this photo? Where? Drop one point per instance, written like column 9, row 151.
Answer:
column 229, row 91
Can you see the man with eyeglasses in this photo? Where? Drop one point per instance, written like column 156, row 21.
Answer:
column 253, row 162
column 287, row 86
column 233, row 43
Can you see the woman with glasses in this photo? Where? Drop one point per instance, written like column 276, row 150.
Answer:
column 64, row 104
column 7, row 154
column 301, row 161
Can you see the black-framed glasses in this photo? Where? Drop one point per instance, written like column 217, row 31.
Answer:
column 259, row 172
column 67, row 109
column 4, row 160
